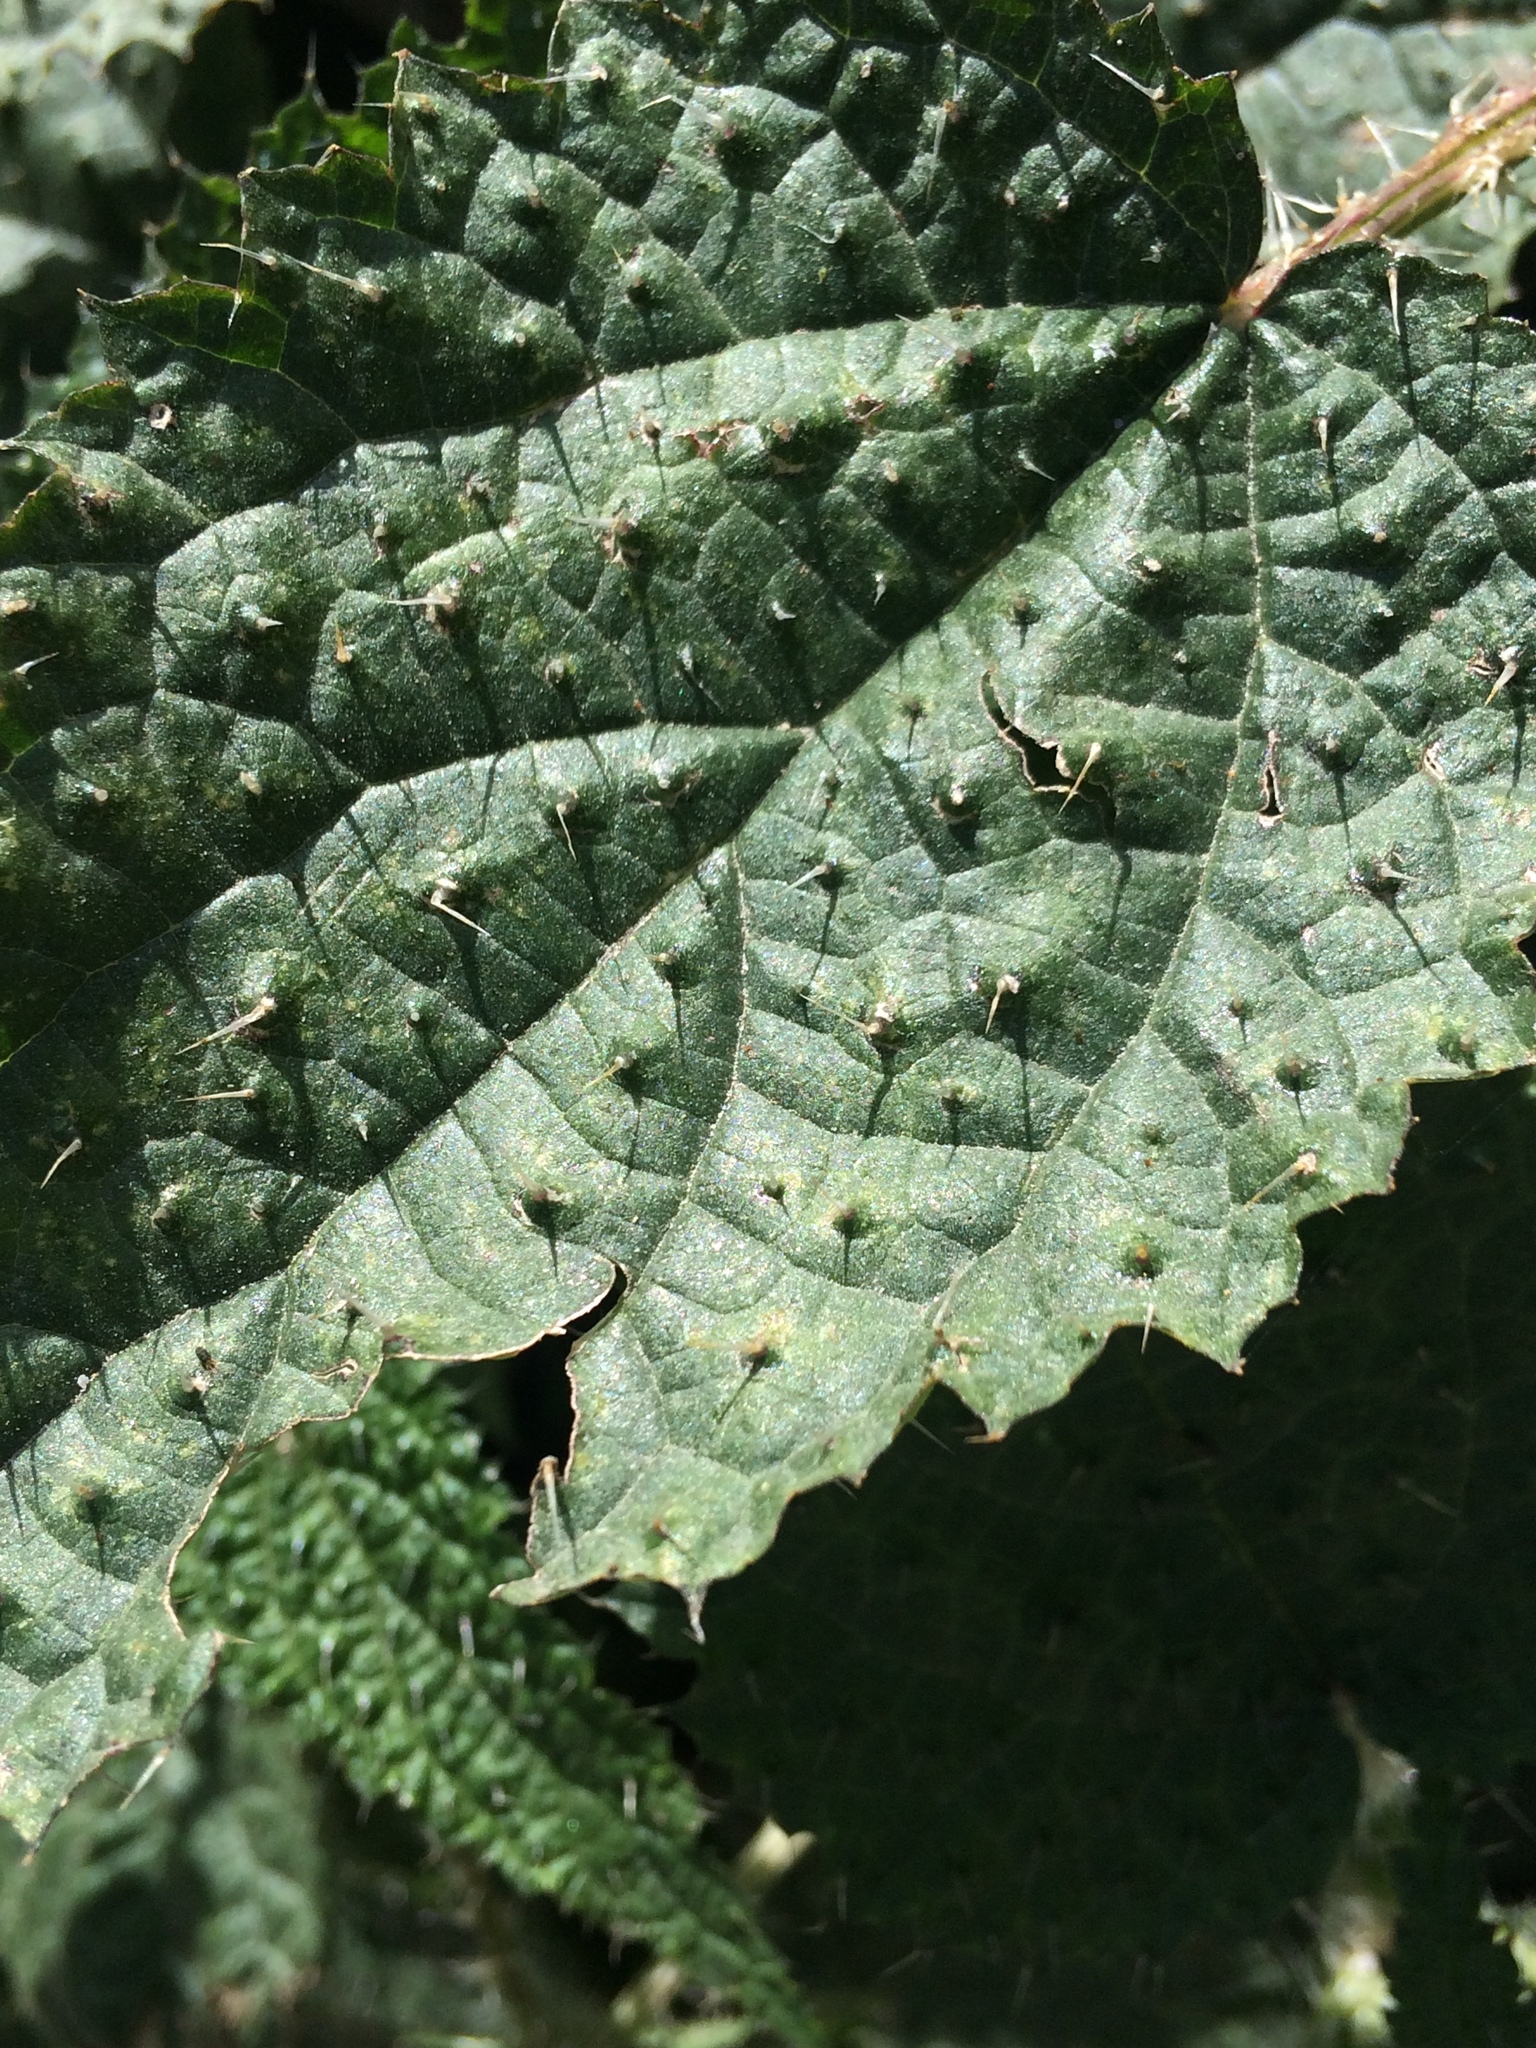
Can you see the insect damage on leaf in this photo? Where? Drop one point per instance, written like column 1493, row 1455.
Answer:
column 503, row 789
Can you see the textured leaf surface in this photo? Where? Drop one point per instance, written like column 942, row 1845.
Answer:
column 99, row 1505
column 552, row 749
column 1047, row 1061
column 395, row 656
column 354, row 1568
column 1074, row 1693
column 202, row 238
column 1352, row 103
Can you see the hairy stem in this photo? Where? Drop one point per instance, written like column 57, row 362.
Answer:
column 1471, row 154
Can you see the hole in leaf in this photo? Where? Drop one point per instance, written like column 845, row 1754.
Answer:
column 522, row 1405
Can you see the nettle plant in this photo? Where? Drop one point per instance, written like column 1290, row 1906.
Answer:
column 775, row 702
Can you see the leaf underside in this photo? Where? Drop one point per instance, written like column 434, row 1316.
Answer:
column 551, row 740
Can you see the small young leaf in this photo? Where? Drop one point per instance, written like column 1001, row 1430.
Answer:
column 354, row 1566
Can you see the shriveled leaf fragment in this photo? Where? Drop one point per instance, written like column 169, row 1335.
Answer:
column 1352, row 103
column 407, row 649
column 354, row 1567
column 1098, row 1671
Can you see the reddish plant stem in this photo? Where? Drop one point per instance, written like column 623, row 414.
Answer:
column 1468, row 157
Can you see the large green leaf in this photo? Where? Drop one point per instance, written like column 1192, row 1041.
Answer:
column 354, row 1568
column 1352, row 103
column 545, row 745
column 402, row 648
column 1031, row 1063
column 1078, row 1693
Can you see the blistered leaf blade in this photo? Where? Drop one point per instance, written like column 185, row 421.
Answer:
column 526, row 771
column 1052, row 1059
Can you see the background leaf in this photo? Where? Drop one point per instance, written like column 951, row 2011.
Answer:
column 1237, row 35
column 89, row 94
column 354, row 1565
column 240, row 1894
column 1352, row 103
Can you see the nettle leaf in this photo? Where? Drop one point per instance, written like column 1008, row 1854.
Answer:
column 1352, row 103
column 202, row 238
column 1024, row 1063
column 397, row 659
column 354, row 1567
column 1121, row 1737
column 545, row 749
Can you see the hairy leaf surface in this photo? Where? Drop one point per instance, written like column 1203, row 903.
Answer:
column 550, row 741
column 354, row 1567
column 403, row 643
column 1038, row 1061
